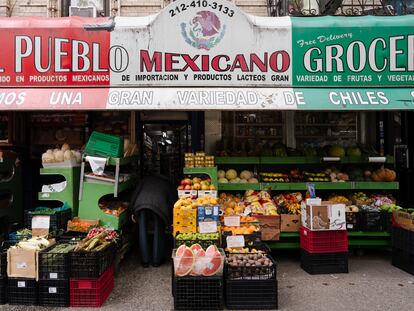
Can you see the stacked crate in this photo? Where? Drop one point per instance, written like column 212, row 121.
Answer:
column 54, row 269
column 403, row 249
column 91, row 277
column 324, row 252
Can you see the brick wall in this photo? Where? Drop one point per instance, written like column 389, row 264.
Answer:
column 16, row 8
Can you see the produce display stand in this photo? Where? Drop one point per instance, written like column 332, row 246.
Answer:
column 290, row 240
column 70, row 194
column 210, row 171
column 91, row 191
column 11, row 185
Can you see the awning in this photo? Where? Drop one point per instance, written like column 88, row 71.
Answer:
column 335, row 99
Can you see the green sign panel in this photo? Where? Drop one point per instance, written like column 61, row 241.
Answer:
column 358, row 51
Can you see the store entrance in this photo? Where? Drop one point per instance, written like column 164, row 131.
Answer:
column 163, row 144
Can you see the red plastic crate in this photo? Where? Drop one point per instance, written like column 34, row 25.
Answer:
column 92, row 293
column 323, row 241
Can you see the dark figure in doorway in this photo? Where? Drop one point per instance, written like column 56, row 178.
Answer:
column 152, row 203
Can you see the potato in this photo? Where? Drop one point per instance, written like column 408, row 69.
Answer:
column 67, row 155
column 59, row 156
column 65, row 147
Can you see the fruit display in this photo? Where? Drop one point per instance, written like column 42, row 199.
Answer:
column 383, row 174
column 243, row 229
column 199, row 159
column 196, row 183
column 360, row 198
column 339, row 199
column 260, row 203
column 79, row 225
column 274, row 177
column 336, row 175
column 258, row 265
column 288, row 203
column 197, row 236
column 316, row 177
column 231, row 176
column 64, row 153
column 195, row 261
column 243, row 250
column 188, row 203
column 114, row 208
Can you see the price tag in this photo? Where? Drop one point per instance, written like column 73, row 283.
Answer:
column 331, row 159
column 52, row 290
column 53, row 275
column 207, row 227
column 232, row 221
column 40, row 222
column 235, row 241
column 21, row 284
column 377, row 159
column 21, row 265
column 314, row 201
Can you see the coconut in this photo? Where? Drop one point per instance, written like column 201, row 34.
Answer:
column 65, row 147
column 48, row 158
column 78, row 156
column 67, row 155
column 59, row 156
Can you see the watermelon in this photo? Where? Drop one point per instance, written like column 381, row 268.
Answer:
column 196, row 248
column 184, row 264
column 214, row 261
column 200, row 263
column 180, row 251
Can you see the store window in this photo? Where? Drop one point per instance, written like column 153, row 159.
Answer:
column 321, row 128
column 250, row 133
column 85, row 8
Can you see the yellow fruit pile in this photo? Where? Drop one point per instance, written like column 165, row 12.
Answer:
column 188, row 203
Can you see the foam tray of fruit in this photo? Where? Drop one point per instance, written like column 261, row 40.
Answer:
column 195, row 261
column 259, row 266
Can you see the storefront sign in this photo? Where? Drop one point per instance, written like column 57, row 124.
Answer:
column 207, row 99
column 207, row 43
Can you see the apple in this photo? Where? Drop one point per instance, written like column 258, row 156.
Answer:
column 180, row 187
column 186, row 181
column 205, row 187
column 196, row 180
column 197, row 186
column 187, row 187
column 212, row 187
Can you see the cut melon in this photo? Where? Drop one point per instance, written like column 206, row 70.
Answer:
column 199, row 264
column 213, row 265
column 185, row 263
column 196, row 248
column 180, row 251
column 211, row 250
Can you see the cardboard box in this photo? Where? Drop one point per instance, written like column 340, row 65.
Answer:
column 327, row 216
column 23, row 263
column 290, row 223
column 403, row 220
column 269, row 227
column 208, row 213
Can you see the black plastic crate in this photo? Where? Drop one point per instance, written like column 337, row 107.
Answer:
column 403, row 260
column 249, row 239
column 89, row 265
column 324, row 263
column 3, row 263
column 198, row 293
column 71, row 237
column 403, row 240
column 372, row 221
column 352, row 221
column 54, row 293
column 250, row 273
column 251, row 294
column 54, row 265
column 203, row 243
column 3, row 287
column 22, row 291
column 386, row 221
column 58, row 220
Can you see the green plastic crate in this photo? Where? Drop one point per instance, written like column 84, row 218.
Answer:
column 101, row 144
